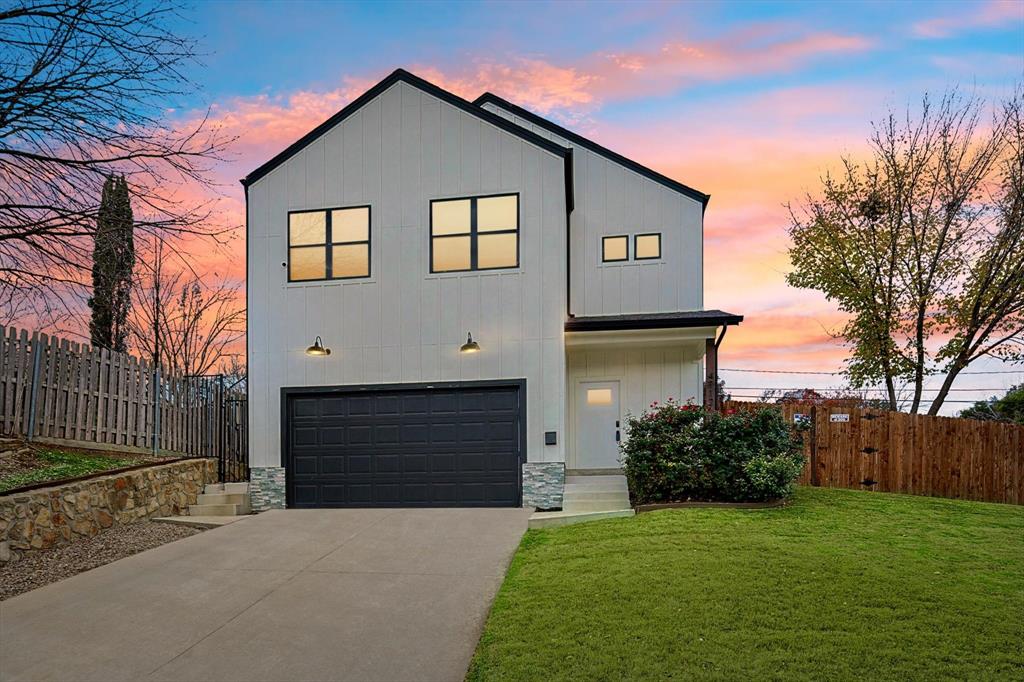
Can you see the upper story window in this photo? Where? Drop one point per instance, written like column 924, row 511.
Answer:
column 647, row 246
column 615, row 249
column 329, row 243
column 475, row 233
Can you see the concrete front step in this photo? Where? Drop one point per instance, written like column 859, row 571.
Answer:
column 597, row 482
column 574, row 493
column 223, row 498
column 230, row 488
column 217, row 509
column 595, row 505
column 567, row 518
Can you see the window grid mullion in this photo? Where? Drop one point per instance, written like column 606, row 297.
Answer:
column 329, row 250
column 472, row 235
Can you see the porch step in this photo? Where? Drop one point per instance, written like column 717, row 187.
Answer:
column 241, row 499
column 218, row 509
column 567, row 518
column 230, row 488
column 617, row 482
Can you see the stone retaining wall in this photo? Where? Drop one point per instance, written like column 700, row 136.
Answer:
column 46, row 517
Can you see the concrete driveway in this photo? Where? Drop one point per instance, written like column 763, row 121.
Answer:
column 360, row 594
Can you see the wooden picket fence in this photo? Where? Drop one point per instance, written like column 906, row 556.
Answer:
column 53, row 390
column 870, row 449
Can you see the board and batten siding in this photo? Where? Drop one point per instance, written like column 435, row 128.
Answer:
column 403, row 324
column 644, row 375
column 614, row 200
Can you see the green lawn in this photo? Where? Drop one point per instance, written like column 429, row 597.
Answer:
column 840, row 585
column 55, row 465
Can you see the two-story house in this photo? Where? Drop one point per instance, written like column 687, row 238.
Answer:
column 451, row 303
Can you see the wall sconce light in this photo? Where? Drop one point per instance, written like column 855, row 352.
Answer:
column 470, row 346
column 318, row 348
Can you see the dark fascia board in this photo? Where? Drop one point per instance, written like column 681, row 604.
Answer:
column 697, row 318
column 417, row 82
column 490, row 97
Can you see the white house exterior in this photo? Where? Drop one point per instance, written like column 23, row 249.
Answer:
column 413, row 218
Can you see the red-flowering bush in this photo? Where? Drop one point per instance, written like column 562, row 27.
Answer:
column 677, row 452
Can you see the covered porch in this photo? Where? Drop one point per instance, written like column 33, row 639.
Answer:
column 618, row 365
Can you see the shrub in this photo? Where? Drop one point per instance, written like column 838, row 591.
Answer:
column 675, row 453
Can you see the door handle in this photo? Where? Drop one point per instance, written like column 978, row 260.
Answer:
column 617, row 435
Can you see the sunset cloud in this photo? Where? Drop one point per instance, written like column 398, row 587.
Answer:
column 970, row 16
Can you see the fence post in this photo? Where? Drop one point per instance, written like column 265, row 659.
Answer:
column 37, row 347
column 156, row 409
column 814, row 446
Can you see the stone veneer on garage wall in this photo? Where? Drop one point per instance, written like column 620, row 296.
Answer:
column 266, row 488
column 46, row 517
column 543, row 484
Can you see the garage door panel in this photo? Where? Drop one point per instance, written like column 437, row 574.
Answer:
column 423, row 447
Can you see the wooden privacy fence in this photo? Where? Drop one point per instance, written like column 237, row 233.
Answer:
column 55, row 390
column 848, row 447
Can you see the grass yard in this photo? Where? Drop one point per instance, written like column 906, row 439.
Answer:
column 54, row 465
column 840, row 585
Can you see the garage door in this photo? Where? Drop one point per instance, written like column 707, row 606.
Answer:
column 457, row 446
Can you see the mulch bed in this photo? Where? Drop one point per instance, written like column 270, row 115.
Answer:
column 39, row 568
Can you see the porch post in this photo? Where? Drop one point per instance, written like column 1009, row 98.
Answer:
column 711, row 375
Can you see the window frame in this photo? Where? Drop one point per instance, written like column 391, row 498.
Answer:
column 329, row 245
column 647, row 234
column 474, row 233
column 614, row 260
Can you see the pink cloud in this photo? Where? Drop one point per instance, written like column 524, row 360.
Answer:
column 972, row 16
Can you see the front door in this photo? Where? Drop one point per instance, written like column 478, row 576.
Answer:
column 597, row 425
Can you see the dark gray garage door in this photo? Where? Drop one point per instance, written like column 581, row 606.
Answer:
column 455, row 446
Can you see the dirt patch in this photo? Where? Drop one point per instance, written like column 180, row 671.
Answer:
column 33, row 464
column 19, row 460
column 42, row 568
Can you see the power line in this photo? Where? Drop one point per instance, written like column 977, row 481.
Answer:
column 846, row 389
column 926, row 400
column 795, row 371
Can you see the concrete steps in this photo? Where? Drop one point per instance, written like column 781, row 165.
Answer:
column 588, row 498
column 222, row 499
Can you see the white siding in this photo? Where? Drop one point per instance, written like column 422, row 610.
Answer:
column 403, row 324
column 644, row 375
column 613, row 200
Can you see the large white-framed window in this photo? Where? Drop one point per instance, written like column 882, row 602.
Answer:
column 474, row 233
column 329, row 243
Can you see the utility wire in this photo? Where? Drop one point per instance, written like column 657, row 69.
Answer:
column 926, row 400
column 794, row 371
column 846, row 388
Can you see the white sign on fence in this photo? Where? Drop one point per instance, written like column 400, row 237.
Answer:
column 839, row 418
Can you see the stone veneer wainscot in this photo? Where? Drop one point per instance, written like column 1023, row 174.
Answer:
column 267, row 488
column 543, row 484
column 58, row 515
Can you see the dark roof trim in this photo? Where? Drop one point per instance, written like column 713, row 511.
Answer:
column 696, row 318
column 490, row 97
column 417, row 82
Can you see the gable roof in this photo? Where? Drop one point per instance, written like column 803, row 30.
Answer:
column 491, row 98
column 427, row 87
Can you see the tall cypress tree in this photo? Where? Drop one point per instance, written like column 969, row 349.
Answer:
column 113, row 259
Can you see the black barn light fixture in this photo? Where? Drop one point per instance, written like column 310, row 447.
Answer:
column 470, row 346
column 318, row 348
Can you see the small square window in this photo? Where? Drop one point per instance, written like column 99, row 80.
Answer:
column 647, row 246
column 615, row 249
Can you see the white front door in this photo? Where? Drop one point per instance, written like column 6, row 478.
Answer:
column 598, row 425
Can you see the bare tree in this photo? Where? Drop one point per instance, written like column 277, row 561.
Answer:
column 85, row 87
column 922, row 245
column 189, row 326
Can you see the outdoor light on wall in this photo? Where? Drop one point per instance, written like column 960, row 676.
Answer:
column 470, row 346
column 318, row 348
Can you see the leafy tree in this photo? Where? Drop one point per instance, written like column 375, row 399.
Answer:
column 1009, row 408
column 923, row 245
column 113, row 260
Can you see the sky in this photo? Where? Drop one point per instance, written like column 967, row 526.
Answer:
column 749, row 102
